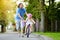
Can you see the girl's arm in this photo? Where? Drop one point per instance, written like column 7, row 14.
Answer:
column 33, row 21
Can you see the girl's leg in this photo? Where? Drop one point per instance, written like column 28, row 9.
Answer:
column 26, row 29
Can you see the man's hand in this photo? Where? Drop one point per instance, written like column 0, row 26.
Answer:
column 20, row 16
column 24, row 20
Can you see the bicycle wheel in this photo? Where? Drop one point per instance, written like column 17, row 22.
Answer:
column 28, row 30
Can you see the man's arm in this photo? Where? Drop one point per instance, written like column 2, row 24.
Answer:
column 26, row 13
column 18, row 12
column 19, row 16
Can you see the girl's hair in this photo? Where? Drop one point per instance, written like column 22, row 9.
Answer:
column 19, row 5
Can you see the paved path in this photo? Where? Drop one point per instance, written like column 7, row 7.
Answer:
column 14, row 36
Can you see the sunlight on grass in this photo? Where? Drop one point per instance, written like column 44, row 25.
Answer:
column 55, row 36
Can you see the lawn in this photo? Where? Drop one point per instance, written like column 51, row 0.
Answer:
column 55, row 36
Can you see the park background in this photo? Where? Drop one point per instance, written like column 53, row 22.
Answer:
column 46, row 14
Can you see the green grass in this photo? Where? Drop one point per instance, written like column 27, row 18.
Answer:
column 55, row 36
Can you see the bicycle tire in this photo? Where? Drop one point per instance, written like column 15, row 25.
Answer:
column 28, row 30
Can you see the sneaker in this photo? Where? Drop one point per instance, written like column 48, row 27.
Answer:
column 22, row 36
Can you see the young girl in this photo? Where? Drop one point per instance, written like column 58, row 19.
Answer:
column 29, row 20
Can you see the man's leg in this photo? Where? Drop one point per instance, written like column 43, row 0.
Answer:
column 22, row 32
column 22, row 27
column 17, row 27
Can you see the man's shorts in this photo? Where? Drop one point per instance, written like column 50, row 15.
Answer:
column 19, row 24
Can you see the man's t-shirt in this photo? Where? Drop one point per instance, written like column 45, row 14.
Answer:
column 21, row 12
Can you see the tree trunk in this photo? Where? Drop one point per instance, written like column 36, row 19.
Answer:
column 42, row 22
column 3, row 29
column 56, row 26
column 42, row 3
column 50, row 2
column 53, row 1
column 51, row 25
column 46, row 24
column 37, row 25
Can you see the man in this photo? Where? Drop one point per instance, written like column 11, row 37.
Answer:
column 19, row 17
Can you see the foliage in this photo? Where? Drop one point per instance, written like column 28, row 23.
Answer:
column 58, row 11
column 3, row 19
column 6, row 16
column 52, row 12
column 3, row 16
column 34, row 8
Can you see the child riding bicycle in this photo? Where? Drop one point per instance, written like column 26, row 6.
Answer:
column 29, row 21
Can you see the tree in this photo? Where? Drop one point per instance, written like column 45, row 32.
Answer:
column 3, row 16
column 37, row 8
column 51, row 16
column 58, row 18
column 42, row 3
column 4, row 8
column 34, row 8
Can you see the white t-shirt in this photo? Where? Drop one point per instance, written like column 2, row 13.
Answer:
column 29, row 21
